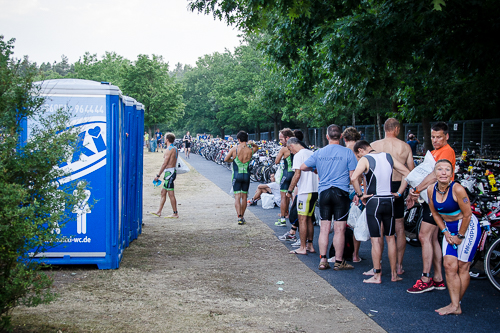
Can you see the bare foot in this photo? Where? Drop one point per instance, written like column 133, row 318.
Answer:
column 356, row 259
column 157, row 214
column 370, row 272
column 396, row 278
column 173, row 216
column 311, row 250
column 450, row 309
column 400, row 270
column 298, row 252
column 373, row 279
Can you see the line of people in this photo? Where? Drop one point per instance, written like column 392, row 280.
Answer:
column 332, row 176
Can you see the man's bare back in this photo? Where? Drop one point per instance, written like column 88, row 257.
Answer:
column 399, row 150
column 170, row 157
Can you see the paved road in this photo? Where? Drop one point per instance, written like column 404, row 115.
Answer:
column 389, row 304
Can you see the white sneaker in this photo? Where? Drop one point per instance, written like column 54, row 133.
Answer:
column 297, row 243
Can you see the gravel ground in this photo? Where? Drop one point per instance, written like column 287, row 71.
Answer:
column 199, row 273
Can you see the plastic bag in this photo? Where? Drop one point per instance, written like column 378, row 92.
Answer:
column 361, row 232
column 417, row 175
column 354, row 213
column 267, row 200
column 278, row 175
column 181, row 166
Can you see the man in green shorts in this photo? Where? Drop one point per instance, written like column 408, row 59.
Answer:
column 169, row 162
column 241, row 155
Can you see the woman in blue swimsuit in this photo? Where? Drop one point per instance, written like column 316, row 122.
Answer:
column 451, row 210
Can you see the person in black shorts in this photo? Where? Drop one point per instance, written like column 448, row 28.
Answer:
column 378, row 199
column 187, row 144
column 284, row 158
column 335, row 165
column 240, row 157
column 159, row 137
column 401, row 152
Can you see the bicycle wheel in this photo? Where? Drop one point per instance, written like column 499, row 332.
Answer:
column 412, row 220
column 492, row 264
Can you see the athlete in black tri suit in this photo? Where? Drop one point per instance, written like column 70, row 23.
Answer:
column 379, row 202
column 284, row 158
column 241, row 155
column 187, row 144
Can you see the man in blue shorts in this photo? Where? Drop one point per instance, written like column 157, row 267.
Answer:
column 335, row 165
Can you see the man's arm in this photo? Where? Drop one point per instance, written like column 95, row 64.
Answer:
column 229, row 156
column 254, row 147
column 293, row 183
column 409, row 159
column 304, row 167
column 280, row 155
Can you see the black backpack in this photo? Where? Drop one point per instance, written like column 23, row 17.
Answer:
column 348, row 245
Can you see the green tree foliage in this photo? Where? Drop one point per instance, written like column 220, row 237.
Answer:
column 430, row 57
column 110, row 68
column 148, row 81
column 32, row 205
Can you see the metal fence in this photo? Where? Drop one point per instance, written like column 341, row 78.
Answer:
column 478, row 137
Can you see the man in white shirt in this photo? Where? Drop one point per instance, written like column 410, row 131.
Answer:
column 272, row 188
column 307, row 195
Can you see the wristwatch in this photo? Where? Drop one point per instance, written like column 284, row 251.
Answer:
column 415, row 190
column 359, row 195
column 289, row 192
column 460, row 236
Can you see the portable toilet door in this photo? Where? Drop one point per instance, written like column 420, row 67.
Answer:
column 94, row 236
column 129, row 168
column 140, row 172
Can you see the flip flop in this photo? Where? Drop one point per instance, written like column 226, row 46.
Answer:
column 156, row 215
column 360, row 259
column 171, row 217
column 295, row 252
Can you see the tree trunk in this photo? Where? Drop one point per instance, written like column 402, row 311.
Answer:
column 379, row 128
column 353, row 119
column 269, row 135
column 257, row 132
column 323, row 136
column 305, row 130
column 276, row 131
column 222, row 132
column 426, row 125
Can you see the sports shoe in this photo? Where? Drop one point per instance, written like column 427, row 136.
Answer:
column 241, row 221
column 421, row 287
column 439, row 285
column 343, row 266
column 251, row 203
column 287, row 237
column 280, row 224
column 297, row 243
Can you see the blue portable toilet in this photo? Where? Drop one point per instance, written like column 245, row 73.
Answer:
column 137, row 230
column 130, row 167
column 96, row 235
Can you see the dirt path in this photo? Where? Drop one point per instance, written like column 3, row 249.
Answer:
column 200, row 273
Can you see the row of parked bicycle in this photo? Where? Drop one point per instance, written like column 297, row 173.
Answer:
column 477, row 176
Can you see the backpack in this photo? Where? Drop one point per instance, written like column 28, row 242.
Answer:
column 348, row 245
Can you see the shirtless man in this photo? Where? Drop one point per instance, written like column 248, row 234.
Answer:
column 284, row 157
column 170, row 159
column 241, row 155
column 401, row 152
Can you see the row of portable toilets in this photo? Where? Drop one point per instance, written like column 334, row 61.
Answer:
column 110, row 159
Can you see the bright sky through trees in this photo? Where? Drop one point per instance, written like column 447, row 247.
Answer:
column 46, row 29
